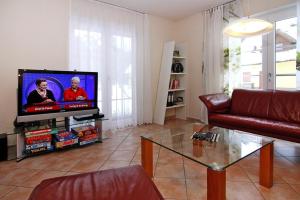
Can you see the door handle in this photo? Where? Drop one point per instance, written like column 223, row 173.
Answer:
column 270, row 75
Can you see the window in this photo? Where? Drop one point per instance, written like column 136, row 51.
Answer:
column 251, row 62
column 268, row 61
column 122, row 85
column 121, row 68
column 286, row 39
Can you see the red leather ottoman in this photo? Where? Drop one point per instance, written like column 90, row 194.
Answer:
column 128, row 183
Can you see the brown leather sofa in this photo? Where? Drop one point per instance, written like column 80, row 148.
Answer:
column 271, row 113
column 127, row 183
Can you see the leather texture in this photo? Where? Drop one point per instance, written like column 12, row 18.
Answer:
column 219, row 103
column 271, row 113
column 263, row 125
column 128, row 183
column 285, row 106
column 253, row 103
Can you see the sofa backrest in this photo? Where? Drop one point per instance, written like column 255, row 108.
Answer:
column 285, row 106
column 252, row 103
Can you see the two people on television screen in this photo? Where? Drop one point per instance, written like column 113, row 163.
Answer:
column 42, row 95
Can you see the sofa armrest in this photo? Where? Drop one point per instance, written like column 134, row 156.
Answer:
column 216, row 103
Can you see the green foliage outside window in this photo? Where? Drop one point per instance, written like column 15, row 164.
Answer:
column 298, row 61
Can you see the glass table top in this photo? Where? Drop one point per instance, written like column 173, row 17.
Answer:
column 232, row 145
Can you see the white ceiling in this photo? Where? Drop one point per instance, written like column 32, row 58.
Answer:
column 171, row 9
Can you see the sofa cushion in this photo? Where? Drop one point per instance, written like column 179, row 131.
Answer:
column 253, row 103
column 256, row 125
column 285, row 106
column 127, row 183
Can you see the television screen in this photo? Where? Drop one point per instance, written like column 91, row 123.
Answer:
column 43, row 91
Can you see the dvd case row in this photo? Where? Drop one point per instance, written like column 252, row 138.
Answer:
column 37, row 141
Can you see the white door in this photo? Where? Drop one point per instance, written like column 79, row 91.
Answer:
column 279, row 50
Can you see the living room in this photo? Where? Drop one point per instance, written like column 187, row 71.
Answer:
column 142, row 67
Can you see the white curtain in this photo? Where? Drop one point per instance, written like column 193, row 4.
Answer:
column 113, row 42
column 213, row 50
column 232, row 49
column 213, row 70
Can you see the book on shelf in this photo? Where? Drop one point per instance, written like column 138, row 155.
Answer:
column 38, row 139
column 66, row 143
column 88, row 137
column 174, row 84
column 39, row 145
column 87, row 142
column 64, row 136
column 39, row 150
column 85, row 130
column 41, row 132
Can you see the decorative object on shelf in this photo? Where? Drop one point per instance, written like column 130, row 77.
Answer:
column 170, row 101
column 177, row 67
column 176, row 53
column 179, row 100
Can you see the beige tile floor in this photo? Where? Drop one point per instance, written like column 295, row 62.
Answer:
column 176, row 177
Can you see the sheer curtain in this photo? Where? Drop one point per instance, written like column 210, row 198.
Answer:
column 113, row 42
column 232, row 49
column 213, row 70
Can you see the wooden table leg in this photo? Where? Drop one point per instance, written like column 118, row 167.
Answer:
column 147, row 156
column 266, row 165
column 216, row 184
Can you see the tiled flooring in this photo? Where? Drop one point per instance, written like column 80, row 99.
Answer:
column 176, row 177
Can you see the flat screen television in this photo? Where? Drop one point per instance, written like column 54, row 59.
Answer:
column 45, row 94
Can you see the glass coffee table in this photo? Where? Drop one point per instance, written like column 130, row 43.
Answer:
column 231, row 147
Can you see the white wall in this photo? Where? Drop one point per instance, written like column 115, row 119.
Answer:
column 161, row 30
column 33, row 34
column 190, row 30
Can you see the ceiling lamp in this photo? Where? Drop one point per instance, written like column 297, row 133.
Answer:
column 248, row 27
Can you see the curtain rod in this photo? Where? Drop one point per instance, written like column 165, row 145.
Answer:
column 111, row 4
column 220, row 5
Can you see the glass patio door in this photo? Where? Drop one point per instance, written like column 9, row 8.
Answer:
column 285, row 53
column 269, row 61
column 251, row 65
column 279, row 50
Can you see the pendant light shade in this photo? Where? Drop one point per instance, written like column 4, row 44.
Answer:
column 248, row 27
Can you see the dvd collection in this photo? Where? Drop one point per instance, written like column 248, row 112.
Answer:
column 37, row 141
